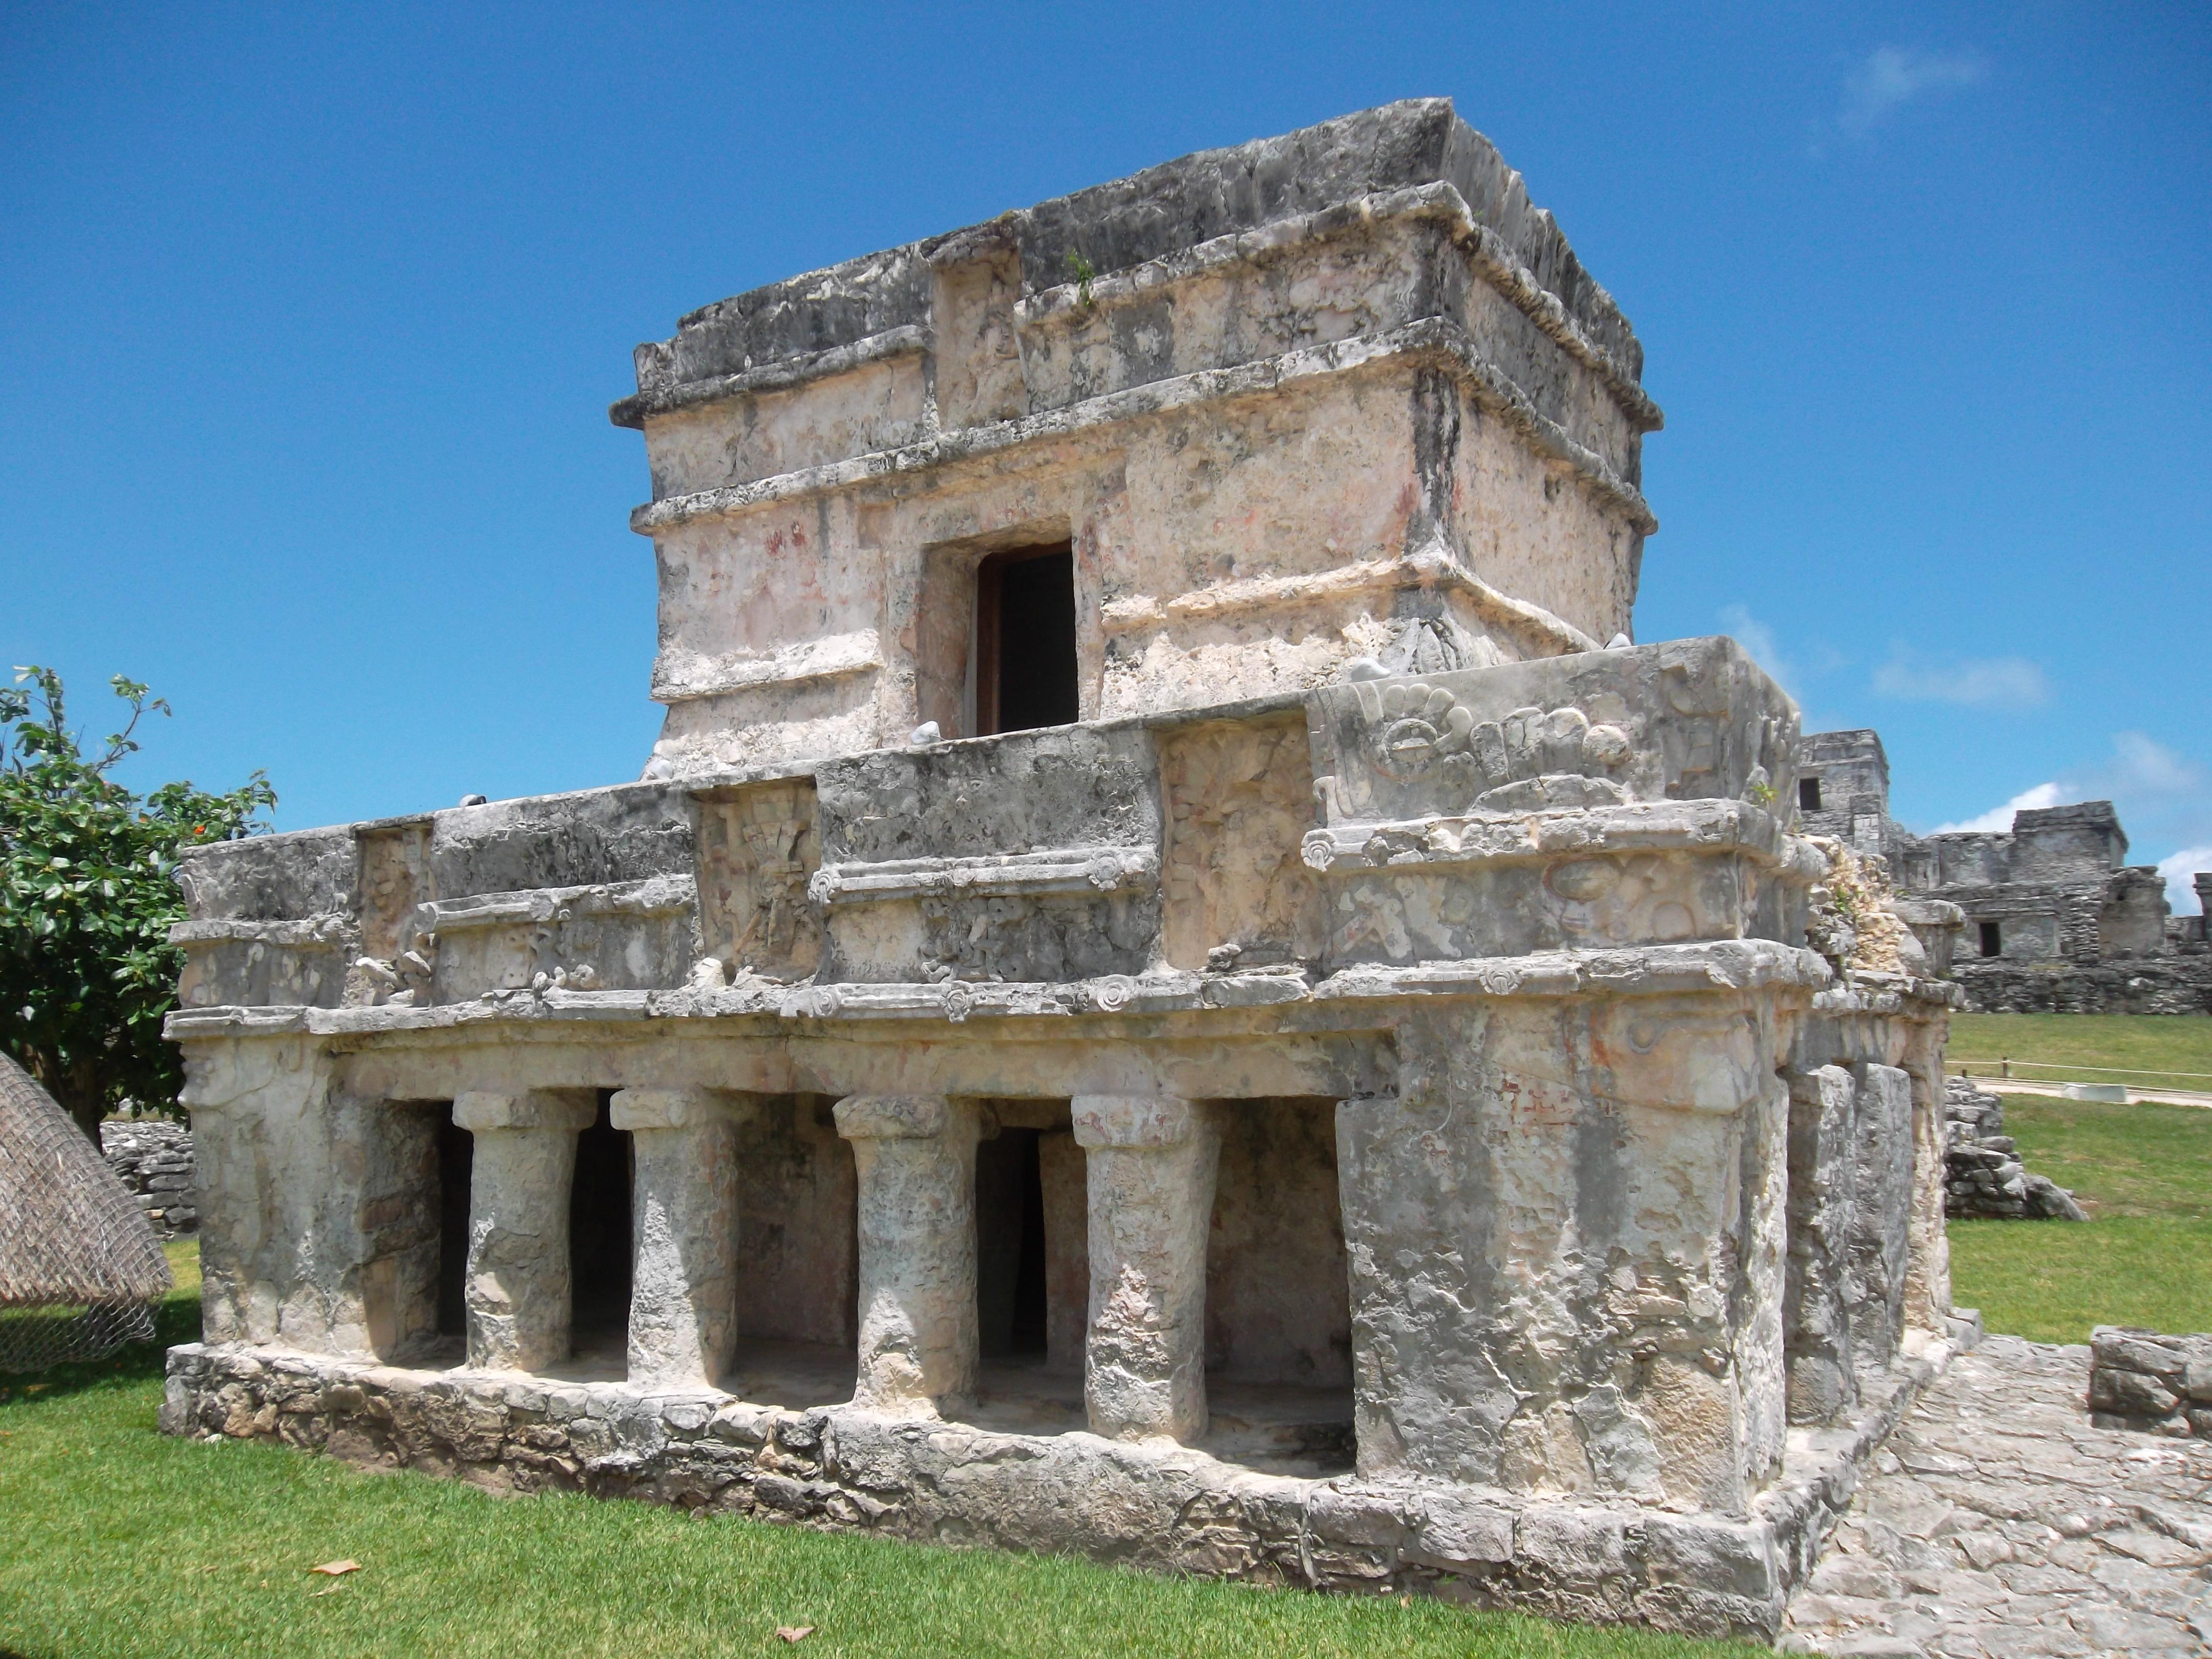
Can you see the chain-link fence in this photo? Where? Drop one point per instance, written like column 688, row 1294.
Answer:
column 80, row 1268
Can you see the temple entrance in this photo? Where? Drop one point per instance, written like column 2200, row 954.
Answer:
column 456, row 1169
column 599, row 1244
column 1278, row 1291
column 799, row 1283
column 1010, row 1269
column 1025, row 666
column 1032, row 1270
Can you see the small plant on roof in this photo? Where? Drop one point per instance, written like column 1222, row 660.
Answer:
column 1083, row 271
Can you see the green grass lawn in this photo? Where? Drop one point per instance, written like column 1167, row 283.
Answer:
column 2132, row 1046
column 2144, row 1171
column 117, row 1541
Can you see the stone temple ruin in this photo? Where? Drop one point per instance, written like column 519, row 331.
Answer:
column 1175, row 988
column 2056, row 918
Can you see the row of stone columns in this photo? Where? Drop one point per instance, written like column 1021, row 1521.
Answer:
column 1150, row 1164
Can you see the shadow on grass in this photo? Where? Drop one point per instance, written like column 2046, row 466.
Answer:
column 176, row 1319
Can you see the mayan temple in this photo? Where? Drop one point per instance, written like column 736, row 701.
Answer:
column 1175, row 987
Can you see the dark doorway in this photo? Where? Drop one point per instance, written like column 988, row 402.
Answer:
column 1992, row 939
column 456, row 1164
column 1808, row 794
column 1025, row 640
column 599, row 1236
column 1010, row 1262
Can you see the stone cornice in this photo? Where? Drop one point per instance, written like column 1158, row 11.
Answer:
column 1433, row 342
column 1717, row 966
column 1488, row 255
column 1442, row 203
column 910, row 340
column 1090, row 870
column 1716, row 827
column 1432, row 567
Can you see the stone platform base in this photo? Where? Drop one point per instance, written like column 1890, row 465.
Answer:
column 1155, row 1506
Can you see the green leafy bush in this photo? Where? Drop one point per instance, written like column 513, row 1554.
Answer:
column 87, row 892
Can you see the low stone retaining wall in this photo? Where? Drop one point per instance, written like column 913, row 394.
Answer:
column 1150, row 1506
column 154, row 1158
column 1983, row 1175
column 2139, row 1379
column 2153, row 985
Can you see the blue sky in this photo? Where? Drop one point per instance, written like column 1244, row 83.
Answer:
column 309, row 318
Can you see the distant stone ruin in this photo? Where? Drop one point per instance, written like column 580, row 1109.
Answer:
column 1983, row 1176
column 1173, row 987
column 2055, row 920
column 153, row 1159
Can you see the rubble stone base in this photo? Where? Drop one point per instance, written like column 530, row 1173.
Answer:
column 1152, row 1505
column 2143, row 1379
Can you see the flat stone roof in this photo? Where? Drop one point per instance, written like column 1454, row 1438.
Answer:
column 1147, row 215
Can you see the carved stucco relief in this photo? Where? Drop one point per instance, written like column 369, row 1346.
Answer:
column 1239, row 800
column 757, row 848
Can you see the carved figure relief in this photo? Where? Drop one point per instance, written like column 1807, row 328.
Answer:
column 1531, row 760
column 757, row 848
column 395, row 878
column 1239, row 800
column 1651, row 899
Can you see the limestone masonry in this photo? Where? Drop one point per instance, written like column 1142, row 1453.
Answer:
column 2139, row 1379
column 154, row 1159
column 1983, row 1173
column 1174, row 988
column 2056, row 920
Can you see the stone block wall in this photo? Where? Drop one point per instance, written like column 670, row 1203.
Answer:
column 2176, row 984
column 2139, row 1379
column 154, row 1158
column 1982, row 1174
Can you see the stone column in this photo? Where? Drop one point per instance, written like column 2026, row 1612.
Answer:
column 915, row 1159
column 684, row 1280
column 1928, row 1271
column 525, row 1162
column 1066, row 1250
column 1151, row 1162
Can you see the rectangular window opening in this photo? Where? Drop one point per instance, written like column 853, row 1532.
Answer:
column 1025, row 661
column 599, row 1240
column 1992, row 939
column 1808, row 794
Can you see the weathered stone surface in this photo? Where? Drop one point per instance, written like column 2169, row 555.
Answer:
column 683, row 1259
column 1376, row 410
column 154, row 1159
column 1982, row 1172
column 915, row 1155
column 1152, row 1163
column 1153, row 1505
column 525, row 1154
column 1999, row 1521
column 1362, row 1038
column 2055, row 920
column 2141, row 1380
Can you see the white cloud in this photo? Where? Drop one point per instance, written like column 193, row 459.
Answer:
column 1998, row 819
column 1891, row 77
column 2141, row 765
column 1756, row 637
column 2162, row 797
column 2177, row 868
column 1978, row 681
